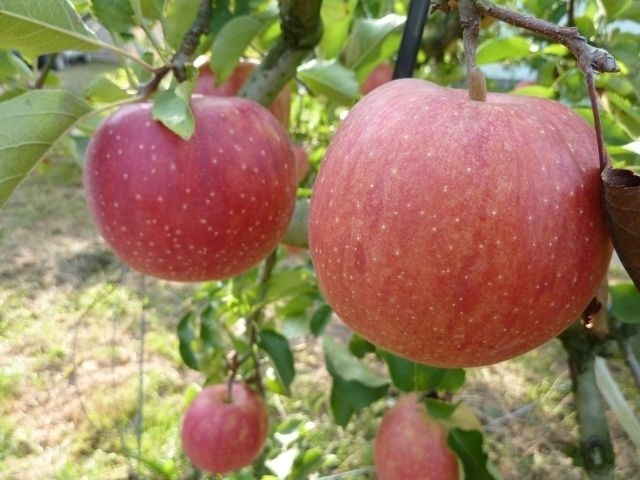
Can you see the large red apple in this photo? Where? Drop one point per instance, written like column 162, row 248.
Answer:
column 410, row 444
column 459, row 233
column 221, row 435
column 206, row 85
column 205, row 208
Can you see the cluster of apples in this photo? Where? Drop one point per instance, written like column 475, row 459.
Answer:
column 450, row 231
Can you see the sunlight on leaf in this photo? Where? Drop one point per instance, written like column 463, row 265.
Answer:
column 45, row 26
column 30, row 125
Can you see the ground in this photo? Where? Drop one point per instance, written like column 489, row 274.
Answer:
column 91, row 379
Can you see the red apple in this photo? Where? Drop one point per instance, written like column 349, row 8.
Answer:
column 410, row 444
column 207, row 208
column 206, row 85
column 381, row 74
column 460, row 233
column 302, row 161
column 221, row 435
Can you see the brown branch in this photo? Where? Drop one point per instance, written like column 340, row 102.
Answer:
column 191, row 40
column 589, row 57
column 470, row 18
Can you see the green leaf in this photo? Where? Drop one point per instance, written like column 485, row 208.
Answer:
column 104, row 90
column 409, row 376
column 439, row 408
column 331, row 79
column 336, row 18
column 232, row 41
column 613, row 7
column 277, row 347
column 367, row 37
column 44, row 26
column 359, row 347
column 178, row 18
column 114, row 15
column 186, row 334
column 151, row 9
column 289, row 282
column 354, row 385
column 630, row 12
column 467, row 444
column 306, row 463
column 499, row 49
column 171, row 107
column 320, row 319
column 31, row 124
column 619, row 405
column 625, row 302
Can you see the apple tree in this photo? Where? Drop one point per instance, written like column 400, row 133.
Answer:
column 262, row 149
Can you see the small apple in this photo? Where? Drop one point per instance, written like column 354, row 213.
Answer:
column 221, row 435
column 410, row 444
column 206, row 85
column 205, row 208
column 302, row 161
column 462, row 233
column 381, row 74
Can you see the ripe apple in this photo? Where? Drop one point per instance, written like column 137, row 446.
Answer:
column 302, row 161
column 411, row 444
column 207, row 208
column 462, row 233
column 381, row 74
column 206, row 85
column 220, row 435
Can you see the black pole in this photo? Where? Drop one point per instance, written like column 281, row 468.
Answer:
column 411, row 38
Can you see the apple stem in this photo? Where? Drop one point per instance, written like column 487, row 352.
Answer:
column 191, row 40
column 470, row 20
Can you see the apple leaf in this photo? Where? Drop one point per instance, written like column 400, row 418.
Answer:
column 439, row 408
column 354, row 385
column 613, row 7
column 232, row 41
column 114, row 15
column 616, row 401
column 320, row 319
column 277, row 347
column 336, row 18
column 622, row 211
column 625, row 303
column 202, row 343
column 44, row 26
column 331, row 79
column 499, row 49
column 178, row 17
column 409, row 376
column 630, row 12
column 171, row 107
column 467, row 444
column 151, row 9
column 367, row 37
column 285, row 283
column 31, row 124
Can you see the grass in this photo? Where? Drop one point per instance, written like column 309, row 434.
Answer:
column 72, row 323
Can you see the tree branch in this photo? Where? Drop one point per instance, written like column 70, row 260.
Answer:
column 596, row 448
column 301, row 31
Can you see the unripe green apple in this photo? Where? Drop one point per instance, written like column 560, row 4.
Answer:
column 455, row 232
column 205, row 208
column 220, row 435
column 410, row 444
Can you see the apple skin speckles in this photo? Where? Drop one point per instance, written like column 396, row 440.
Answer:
column 181, row 198
column 476, row 240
